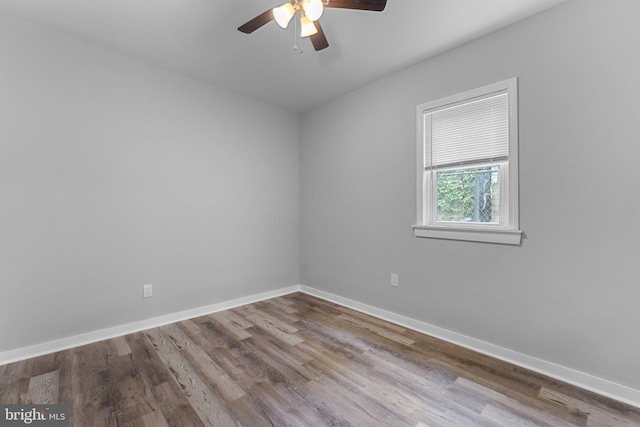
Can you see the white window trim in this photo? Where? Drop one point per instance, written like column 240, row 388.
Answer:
column 509, row 233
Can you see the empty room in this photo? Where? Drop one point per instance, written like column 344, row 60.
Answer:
column 319, row 213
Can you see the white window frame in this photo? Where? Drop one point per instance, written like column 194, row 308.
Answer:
column 508, row 231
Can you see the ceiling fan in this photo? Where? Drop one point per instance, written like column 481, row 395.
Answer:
column 310, row 12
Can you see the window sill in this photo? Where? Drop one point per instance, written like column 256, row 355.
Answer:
column 505, row 237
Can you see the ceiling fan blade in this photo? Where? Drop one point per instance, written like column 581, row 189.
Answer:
column 257, row 22
column 319, row 40
column 374, row 5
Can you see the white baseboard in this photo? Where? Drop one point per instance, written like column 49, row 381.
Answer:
column 583, row 380
column 117, row 331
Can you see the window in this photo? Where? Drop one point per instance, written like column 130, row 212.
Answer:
column 467, row 177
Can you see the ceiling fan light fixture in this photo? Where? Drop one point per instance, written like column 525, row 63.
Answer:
column 313, row 9
column 283, row 14
column 307, row 28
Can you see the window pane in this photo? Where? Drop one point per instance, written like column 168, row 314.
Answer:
column 469, row 195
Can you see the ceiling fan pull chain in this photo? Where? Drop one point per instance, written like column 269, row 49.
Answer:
column 295, row 37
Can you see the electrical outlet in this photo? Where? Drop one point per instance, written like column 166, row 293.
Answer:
column 394, row 280
column 147, row 291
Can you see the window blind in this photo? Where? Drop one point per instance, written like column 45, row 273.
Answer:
column 468, row 132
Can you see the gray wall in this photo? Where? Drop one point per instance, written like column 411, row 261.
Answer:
column 115, row 173
column 570, row 293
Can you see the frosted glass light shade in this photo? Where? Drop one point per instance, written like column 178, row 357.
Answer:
column 307, row 28
column 283, row 14
column 313, row 9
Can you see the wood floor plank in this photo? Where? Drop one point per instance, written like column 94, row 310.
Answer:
column 121, row 346
column 128, row 393
column 283, row 305
column 205, row 402
column 174, row 405
column 514, row 406
column 505, row 418
column 65, row 392
column 190, row 326
column 289, row 370
column 219, row 336
column 274, row 408
column 44, row 364
column 17, row 370
column 302, row 361
column 261, row 318
column 274, row 329
column 339, row 338
column 226, row 358
column 596, row 407
column 88, row 363
column 208, row 369
column 247, row 413
column 11, row 392
column 234, row 323
column 43, row 389
column 282, row 312
column 595, row 414
column 14, row 382
column 153, row 419
column 88, row 410
column 365, row 394
column 237, row 321
column 148, row 362
column 335, row 408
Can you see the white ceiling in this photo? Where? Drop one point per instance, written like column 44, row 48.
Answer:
column 199, row 38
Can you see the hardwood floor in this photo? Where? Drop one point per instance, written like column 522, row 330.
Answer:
column 297, row 361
